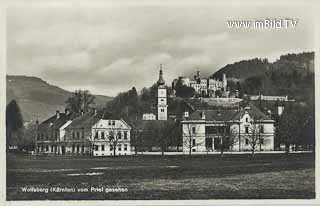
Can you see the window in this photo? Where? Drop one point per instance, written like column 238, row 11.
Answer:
column 113, row 122
column 125, row 147
column 72, row 148
column 96, row 147
column 193, row 142
column 247, row 120
column 261, row 141
column 261, row 129
column 78, row 148
column 82, row 134
column 38, row 137
column 125, row 135
column 47, row 148
column 96, row 136
column 247, row 130
column 119, row 135
column 193, row 130
column 102, row 135
column 111, row 147
column 73, row 135
column 82, row 148
column 78, row 135
column 162, row 110
column 247, row 141
column 111, row 135
column 109, row 122
column 102, row 147
column 119, row 147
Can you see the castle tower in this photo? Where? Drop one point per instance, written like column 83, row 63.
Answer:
column 162, row 97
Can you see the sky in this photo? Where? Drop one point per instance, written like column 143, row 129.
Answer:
column 110, row 49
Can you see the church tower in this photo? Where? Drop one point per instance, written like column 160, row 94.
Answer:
column 162, row 97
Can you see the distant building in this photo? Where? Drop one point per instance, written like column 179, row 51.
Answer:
column 204, row 129
column 162, row 97
column 149, row 116
column 269, row 98
column 204, row 86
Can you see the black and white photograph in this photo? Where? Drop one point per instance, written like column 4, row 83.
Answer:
column 108, row 101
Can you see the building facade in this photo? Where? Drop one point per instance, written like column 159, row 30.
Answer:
column 205, row 86
column 92, row 133
column 234, row 130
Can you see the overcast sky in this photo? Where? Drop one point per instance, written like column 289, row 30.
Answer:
column 111, row 49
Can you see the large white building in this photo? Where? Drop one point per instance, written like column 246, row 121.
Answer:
column 109, row 136
column 93, row 133
column 204, row 86
column 203, row 130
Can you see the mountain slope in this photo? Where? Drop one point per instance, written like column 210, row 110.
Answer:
column 37, row 98
column 291, row 74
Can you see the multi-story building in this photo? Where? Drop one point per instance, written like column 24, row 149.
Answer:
column 91, row 133
column 111, row 137
column 204, row 86
column 205, row 130
column 51, row 132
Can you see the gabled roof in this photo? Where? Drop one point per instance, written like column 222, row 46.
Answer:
column 87, row 120
column 228, row 115
column 213, row 115
column 53, row 122
column 254, row 112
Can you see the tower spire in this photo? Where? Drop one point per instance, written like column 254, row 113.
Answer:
column 161, row 80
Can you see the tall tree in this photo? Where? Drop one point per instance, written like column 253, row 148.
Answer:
column 254, row 135
column 14, row 123
column 80, row 101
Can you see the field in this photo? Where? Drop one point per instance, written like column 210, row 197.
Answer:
column 279, row 176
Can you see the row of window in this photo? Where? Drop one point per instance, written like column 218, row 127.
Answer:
column 261, row 141
column 45, row 136
column 111, row 147
column 112, row 135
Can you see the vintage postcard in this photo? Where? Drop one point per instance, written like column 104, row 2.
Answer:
column 139, row 102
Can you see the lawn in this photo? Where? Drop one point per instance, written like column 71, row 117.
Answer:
column 265, row 176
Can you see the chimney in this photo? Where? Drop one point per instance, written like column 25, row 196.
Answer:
column 58, row 114
column 186, row 114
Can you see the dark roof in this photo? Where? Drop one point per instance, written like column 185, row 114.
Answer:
column 254, row 112
column 213, row 115
column 228, row 115
column 53, row 122
column 90, row 118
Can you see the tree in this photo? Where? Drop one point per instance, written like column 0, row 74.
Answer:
column 14, row 123
column 80, row 101
column 288, row 128
column 254, row 135
column 227, row 138
column 27, row 141
column 183, row 90
column 114, row 140
column 189, row 136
